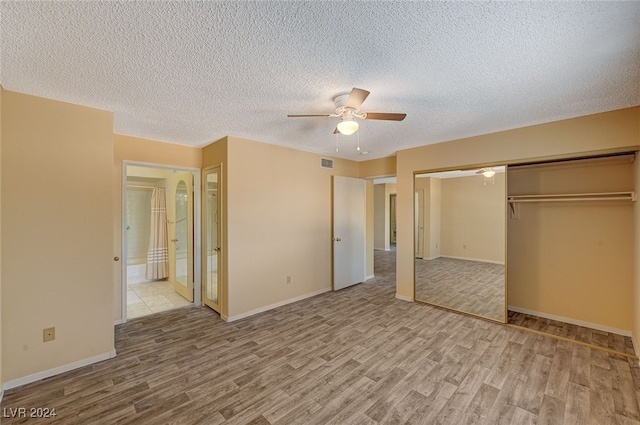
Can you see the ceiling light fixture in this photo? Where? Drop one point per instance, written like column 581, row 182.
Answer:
column 347, row 126
column 489, row 173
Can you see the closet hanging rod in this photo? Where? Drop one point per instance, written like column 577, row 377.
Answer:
column 568, row 197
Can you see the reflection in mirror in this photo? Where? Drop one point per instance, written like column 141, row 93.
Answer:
column 460, row 222
column 182, row 233
column 212, row 243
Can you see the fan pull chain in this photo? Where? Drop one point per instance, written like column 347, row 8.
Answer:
column 358, row 148
column 337, row 143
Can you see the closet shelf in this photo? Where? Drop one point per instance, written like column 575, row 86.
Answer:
column 572, row 197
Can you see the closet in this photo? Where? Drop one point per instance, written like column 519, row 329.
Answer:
column 570, row 241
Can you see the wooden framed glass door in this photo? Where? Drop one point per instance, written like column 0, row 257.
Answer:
column 181, row 234
column 212, row 261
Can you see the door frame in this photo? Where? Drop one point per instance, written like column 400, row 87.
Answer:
column 197, row 228
column 392, row 218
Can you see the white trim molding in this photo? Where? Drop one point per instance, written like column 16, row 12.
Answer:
column 403, row 298
column 371, row 276
column 57, row 370
column 118, row 322
column 272, row 306
column 571, row 321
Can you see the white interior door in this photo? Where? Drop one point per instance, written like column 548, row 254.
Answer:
column 349, row 231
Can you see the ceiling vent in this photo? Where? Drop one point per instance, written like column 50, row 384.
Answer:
column 326, row 163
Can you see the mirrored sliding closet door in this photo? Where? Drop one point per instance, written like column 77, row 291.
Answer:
column 460, row 229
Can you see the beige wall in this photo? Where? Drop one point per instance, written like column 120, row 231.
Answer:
column 473, row 218
column 57, row 246
column 605, row 132
column 134, row 173
column 279, row 224
column 380, row 167
column 573, row 259
column 129, row 148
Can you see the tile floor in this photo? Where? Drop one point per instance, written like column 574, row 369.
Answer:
column 145, row 298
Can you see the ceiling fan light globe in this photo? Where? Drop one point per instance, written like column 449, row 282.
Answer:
column 347, row 127
column 489, row 173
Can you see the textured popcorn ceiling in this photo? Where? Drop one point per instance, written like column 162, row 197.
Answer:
column 191, row 73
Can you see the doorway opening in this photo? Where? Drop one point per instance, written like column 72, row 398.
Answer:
column 384, row 218
column 160, row 238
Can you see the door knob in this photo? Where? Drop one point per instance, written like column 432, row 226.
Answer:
column 116, row 258
column 337, row 239
column 174, row 240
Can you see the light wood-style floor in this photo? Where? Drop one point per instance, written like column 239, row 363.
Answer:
column 471, row 286
column 612, row 341
column 357, row 356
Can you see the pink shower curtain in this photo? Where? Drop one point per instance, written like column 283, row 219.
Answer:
column 158, row 254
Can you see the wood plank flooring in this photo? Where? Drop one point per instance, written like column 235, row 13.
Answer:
column 609, row 340
column 357, row 356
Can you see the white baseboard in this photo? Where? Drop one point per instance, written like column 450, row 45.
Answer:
column 371, row 276
column 57, row 370
column 403, row 298
column 480, row 260
column 272, row 306
column 118, row 322
column 571, row 321
column 1, row 395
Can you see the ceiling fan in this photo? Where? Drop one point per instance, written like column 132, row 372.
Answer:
column 348, row 109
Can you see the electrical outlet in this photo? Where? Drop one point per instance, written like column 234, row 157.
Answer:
column 288, row 280
column 48, row 334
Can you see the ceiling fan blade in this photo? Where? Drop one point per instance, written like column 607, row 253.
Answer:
column 356, row 98
column 385, row 116
column 312, row 115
